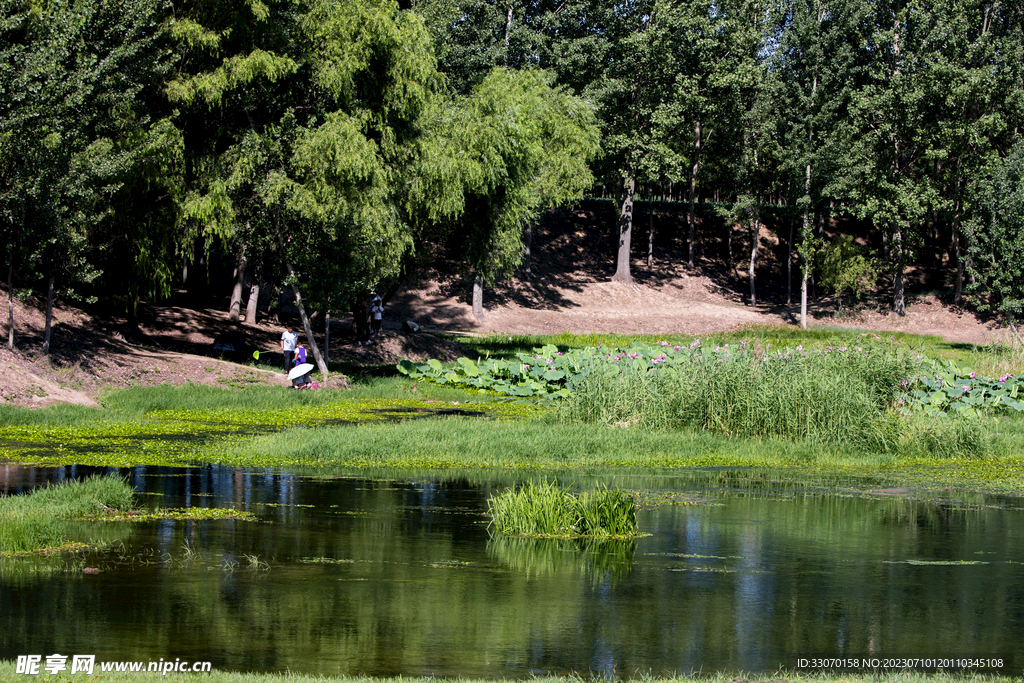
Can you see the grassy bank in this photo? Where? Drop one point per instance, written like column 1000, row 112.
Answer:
column 35, row 520
column 466, row 443
column 77, row 512
column 376, row 425
column 473, row 443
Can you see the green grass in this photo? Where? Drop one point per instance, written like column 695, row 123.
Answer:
column 536, row 444
column 33, row 521
column 196, row 424
column 839, row 398
column 7, row 669
column 59, row 415
column 545, row 509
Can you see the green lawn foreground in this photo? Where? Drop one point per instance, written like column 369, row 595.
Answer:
column 7, row 675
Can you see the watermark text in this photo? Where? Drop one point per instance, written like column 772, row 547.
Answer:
column 39, row 665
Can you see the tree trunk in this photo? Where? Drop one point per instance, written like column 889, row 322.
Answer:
column 327, row 337
column 789, row 262
column 508, row 30
column 235, row 310
column 803, row 295
column 625, row 232
column 728, row 244
column 650, row 233
column 307, row 328
column 49, row 317
column 132, row 331
column 805, row 261
column 478, row 299
column 527, row 246
column 693, row 192
column 959, row 290
column 899, row 306
column 321, row 364
column 250, row 308
column 755, row 229
column 10, row 304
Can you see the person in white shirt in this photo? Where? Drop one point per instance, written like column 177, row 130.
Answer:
column 376, row 313
column 288, row 341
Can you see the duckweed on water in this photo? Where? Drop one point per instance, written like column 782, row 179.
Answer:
column 184, row 436
column 178, row 514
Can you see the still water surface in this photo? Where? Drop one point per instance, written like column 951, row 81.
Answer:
column 386, row 577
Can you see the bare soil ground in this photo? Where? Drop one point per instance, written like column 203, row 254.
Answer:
column 567, row 290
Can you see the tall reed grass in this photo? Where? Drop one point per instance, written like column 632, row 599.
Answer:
column 548, row 510
column 836, row 396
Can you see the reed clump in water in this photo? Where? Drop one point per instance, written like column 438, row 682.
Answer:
column 547, row 510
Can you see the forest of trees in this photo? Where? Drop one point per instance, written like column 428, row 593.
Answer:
column 335, row 146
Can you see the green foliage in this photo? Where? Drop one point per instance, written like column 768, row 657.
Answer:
column 996, row 239
column 302, row 129
column 847, row 265
column 493, row 160
column 548, row 510
column 838, row 395
column 831, row 395
column 544, row 373
column 93, row 153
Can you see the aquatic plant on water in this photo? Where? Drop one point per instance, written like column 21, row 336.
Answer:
column 550, row 511
column 942, row 386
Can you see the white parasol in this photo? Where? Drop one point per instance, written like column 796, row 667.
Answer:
column 300, row 370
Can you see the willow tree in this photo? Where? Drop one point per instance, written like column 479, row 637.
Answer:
column 302, row 136
column 494, row 160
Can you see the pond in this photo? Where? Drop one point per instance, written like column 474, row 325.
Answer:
column 378, row 576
